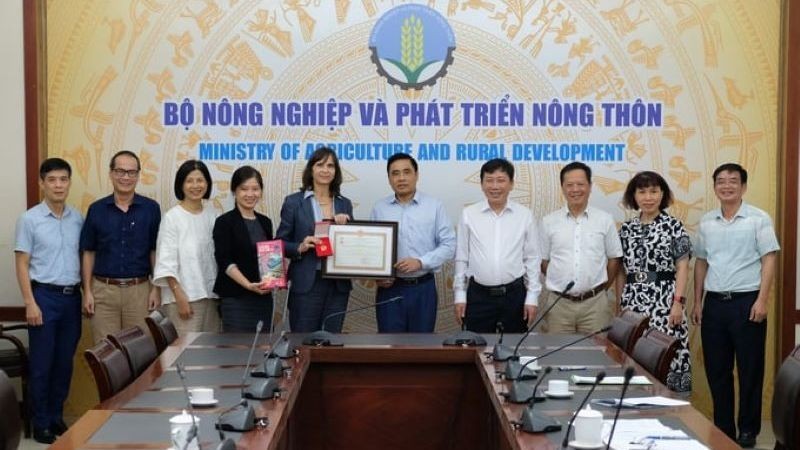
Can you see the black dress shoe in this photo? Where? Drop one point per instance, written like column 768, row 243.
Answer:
column 746, row 440
column 43, row 435
column 59, row 428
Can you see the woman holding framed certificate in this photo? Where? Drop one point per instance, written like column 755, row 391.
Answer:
column 236, row 234
column 311, row 297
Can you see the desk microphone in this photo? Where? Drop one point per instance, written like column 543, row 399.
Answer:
column 534, row 421
column 520, row 392
column 625, row 384
column 597, row 379
column 513, row 359
column 322, row 338
column 241, row 417
column 272, row 367
column 284, row 348
column 520, row 375
column 500, row 352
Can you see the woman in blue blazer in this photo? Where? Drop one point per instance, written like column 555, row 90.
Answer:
column 236, row 232
column 311, row 297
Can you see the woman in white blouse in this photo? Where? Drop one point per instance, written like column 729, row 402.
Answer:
column 185, row 267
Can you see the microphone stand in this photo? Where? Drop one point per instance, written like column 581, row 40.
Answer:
column 513, row 360
column 534, row 421
column 597, row 379
column 322, row 338
column 501, row 352
column 284, row 348
column 625, row 384
column 241, row 417
column 520, row 374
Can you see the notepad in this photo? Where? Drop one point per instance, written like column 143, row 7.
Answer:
column 637, row 380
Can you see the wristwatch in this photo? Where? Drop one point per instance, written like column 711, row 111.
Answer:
column 681, row 300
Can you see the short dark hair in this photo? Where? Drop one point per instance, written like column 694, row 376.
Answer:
column 184, row 170
column 493, row 165
column 51, row 164
column 576, row 165
column 243, row 174
column 730, row 167
column 398, row 157
column 321, row 154
column 112, row 164
column 644, row 180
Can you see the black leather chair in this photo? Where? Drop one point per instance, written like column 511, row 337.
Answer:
column 162, row 329
column 110, row 368
column 10, row 420
column 786, row 403
column 14, row 362
column 655, row 351
column 138, row 347
column 627, row 328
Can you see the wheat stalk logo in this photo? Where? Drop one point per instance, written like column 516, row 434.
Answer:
column 412, row 49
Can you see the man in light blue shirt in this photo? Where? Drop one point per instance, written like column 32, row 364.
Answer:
column 426, row 241
column 736, row 252
column 48, row 272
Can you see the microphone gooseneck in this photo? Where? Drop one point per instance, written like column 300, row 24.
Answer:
column 628, row 375
column 322, row 338
column 558, row 349
column 540, row 318
column 259, row 326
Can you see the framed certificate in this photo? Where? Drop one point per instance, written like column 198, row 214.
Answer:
column 362, row 249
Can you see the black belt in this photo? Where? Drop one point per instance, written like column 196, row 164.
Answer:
column 498, row 290
column 63, row 289
column 414, row 280
column 651, row 277
column 588, row 294
column 728, row 295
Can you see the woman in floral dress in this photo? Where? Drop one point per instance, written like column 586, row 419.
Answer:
column 656, row 252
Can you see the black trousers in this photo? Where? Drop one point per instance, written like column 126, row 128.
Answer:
column 728, row 334
column 486, row 306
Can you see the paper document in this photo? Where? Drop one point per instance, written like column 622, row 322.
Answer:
column 641, row 402
column 648, row 434
column 637, row 380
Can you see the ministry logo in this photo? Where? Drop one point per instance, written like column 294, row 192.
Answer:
column 412, row 46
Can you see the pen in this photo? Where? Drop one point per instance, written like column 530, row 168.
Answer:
column 666, row 438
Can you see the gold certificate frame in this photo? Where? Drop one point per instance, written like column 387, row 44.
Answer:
column 362, row 249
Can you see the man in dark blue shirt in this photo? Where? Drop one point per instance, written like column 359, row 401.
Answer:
column 118, row 243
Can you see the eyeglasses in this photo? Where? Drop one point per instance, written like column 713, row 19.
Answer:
column 119, row 173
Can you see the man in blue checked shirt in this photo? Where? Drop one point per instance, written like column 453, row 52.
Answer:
column 48, row 272
column 736, row 252
column 426, row 241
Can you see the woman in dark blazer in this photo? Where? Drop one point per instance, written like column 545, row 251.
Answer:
column 311, row 297
column 236, row 232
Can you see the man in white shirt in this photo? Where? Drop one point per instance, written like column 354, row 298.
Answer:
column 579, row 244
column 497, row 257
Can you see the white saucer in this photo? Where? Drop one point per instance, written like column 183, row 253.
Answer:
column 211, row 402
column 567, row 394
column 585, row 445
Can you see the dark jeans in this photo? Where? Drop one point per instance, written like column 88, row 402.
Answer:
column 485, row 308
column 728, row 334
column 241, row 314
column 52, row 347
column 414, row 313
column 308, row 311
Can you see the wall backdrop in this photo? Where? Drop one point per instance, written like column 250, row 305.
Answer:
column 675, row 86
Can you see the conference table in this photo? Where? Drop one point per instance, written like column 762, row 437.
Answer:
column 375, row 391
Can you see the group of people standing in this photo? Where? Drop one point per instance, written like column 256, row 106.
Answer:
column 202, row 270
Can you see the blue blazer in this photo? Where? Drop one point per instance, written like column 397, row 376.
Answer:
column 297, row 222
